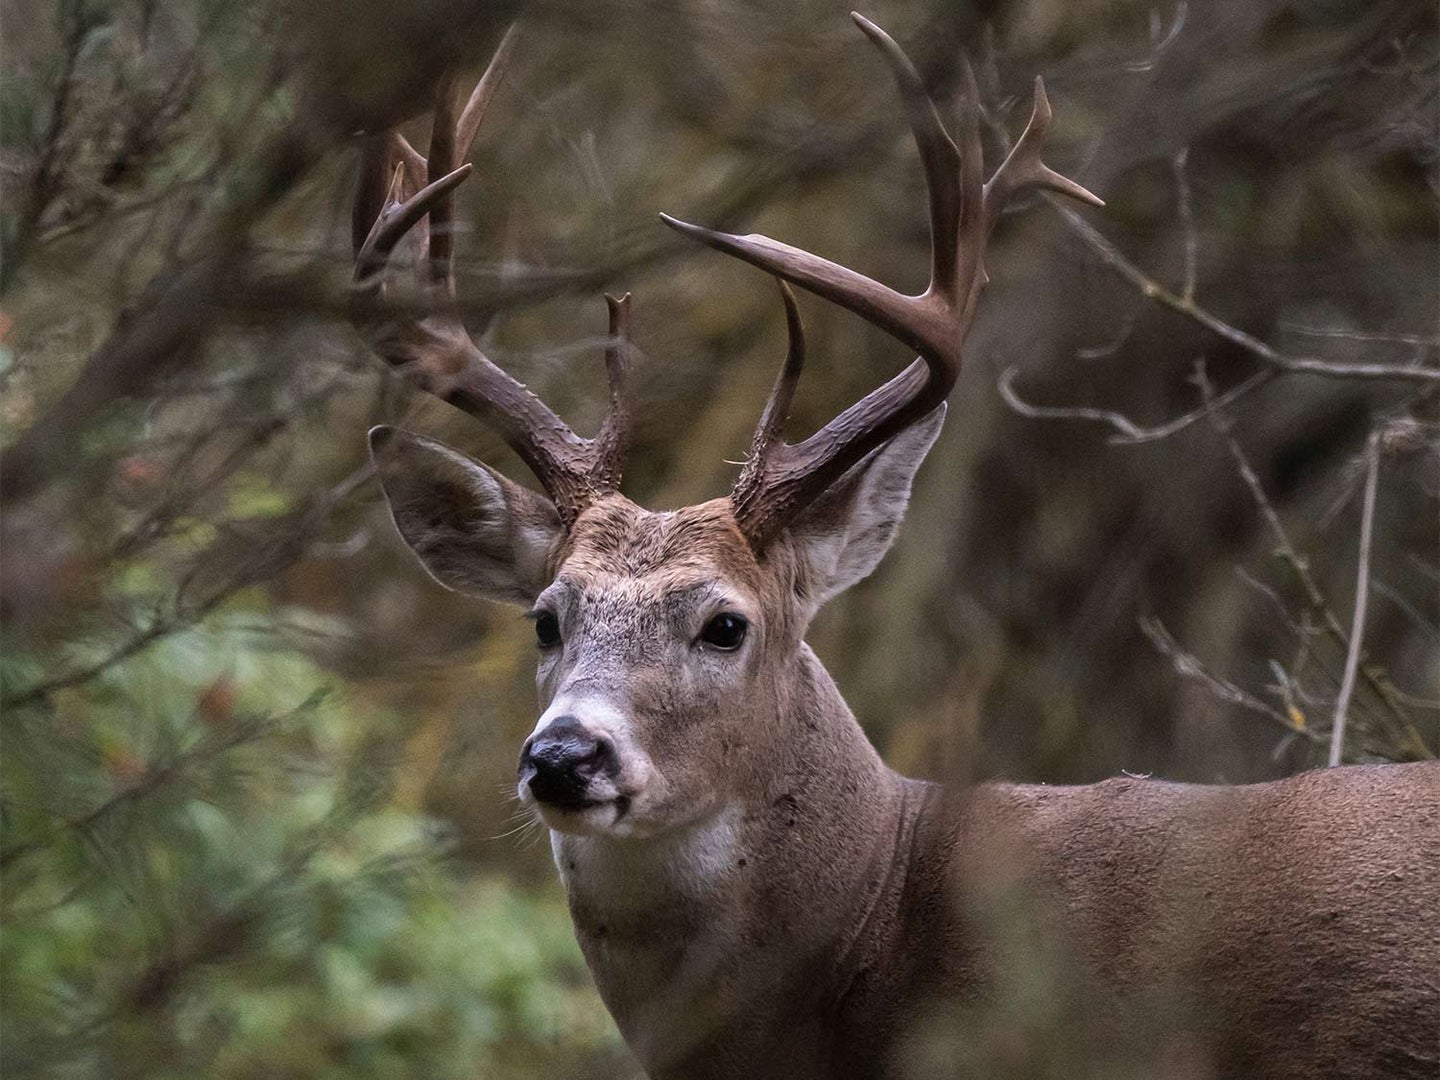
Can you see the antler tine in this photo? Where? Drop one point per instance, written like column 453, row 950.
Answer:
column 922, row 322
column 398, row 218
column 1023, row 168
column 613, row 441
column 750, row 485
column 380, row 187
column 372, row 184
column 450, row 142
column 440, row 162
column 414, row 163
column 970, row 278
column 894, row 312
column 778, row 478
column 938, row 155
column 436, row 353
column 474, row 111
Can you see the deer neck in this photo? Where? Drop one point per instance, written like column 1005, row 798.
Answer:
column 711, row 934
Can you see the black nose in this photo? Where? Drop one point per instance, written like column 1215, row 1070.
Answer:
column 559, row 763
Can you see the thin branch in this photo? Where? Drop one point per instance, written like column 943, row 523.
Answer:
column 1362, row 595
column 1111, row 257
column 1111, row 347
column 224, row 933
column 1161, row 38
column 159, row 628
column 1189, row 667
column 169, row 322
column 1291, row 692
column 43, row 182
column 1185, row 207
column 1416, row 618
column 211, row 746
column 264, row 561
column 1127, row 431
column 254, row 436
column 1184, row 304
column 1299, row 566
column 1369, row 337
column 1268, row 592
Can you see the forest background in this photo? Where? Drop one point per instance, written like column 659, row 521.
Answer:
column 256, row 769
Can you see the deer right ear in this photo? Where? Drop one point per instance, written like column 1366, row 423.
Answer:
column 473, row 530
column 844, row 534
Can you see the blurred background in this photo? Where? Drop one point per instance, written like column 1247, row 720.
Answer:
column 256, row 768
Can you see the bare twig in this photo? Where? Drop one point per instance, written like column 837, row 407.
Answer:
column 1415, row 617
column 291, row 542
column 44, row 181
column 1127, row 431
column 1362, row 594
column 1299, row 566
column 171, row 319
column 1267, row 591
column 1185, row 207
column 1111, row 257
column 1161, row 38
column 1184, row 303
column 255, row 434
column 1189, row 667
column 1370, row 337
column 1111, row 347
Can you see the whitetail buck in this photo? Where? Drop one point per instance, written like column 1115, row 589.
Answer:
column 756, row 894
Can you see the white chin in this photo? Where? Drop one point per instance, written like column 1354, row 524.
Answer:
column 597, row 818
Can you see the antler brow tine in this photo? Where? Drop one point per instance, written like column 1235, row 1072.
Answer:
column 780, row 479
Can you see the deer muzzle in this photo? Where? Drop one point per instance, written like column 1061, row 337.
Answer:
column 562, row 764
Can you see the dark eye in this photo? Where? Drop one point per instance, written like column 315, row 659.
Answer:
column 547, row 630
column 724, row 631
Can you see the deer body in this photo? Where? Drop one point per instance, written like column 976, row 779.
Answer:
column 756, row 894
column 1292, row 928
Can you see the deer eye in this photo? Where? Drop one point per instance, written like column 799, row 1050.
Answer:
column 724, row 631
column 547, row 629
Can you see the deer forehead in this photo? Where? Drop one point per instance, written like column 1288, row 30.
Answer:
column 618, row 548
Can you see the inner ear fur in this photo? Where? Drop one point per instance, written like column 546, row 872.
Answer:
column 473, row 530
column 843, row 535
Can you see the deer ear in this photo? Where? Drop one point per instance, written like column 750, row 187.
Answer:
column 843, row 535
column 473, row 530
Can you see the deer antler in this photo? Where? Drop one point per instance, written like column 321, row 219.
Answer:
column 780, row 479
column 398, row 189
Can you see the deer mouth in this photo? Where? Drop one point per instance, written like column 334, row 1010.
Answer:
column 621, row 803
column 584, row 816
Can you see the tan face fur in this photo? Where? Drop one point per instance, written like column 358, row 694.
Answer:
column 627, row 595
column 633, row 593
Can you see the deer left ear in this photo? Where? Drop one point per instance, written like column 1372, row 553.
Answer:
column 843, row 535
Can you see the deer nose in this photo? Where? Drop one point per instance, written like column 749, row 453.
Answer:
column 559, row 763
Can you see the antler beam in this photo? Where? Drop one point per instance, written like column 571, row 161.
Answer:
column 780, row 479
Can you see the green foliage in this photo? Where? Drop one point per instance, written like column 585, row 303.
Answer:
column 204, row 877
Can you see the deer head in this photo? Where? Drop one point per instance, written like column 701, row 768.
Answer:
column 667, row 641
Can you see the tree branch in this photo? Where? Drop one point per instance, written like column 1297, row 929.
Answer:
column 264, row 560
column 1151, row 289
column 1362, row 594
column 1127, row 431
column 1189, row 667
column 1290, row 555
